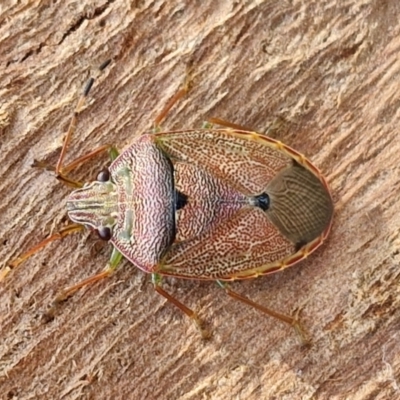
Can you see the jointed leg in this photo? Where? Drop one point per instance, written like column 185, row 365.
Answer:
column 115, row 259
column 271, row 130
column 156, row 279
column 71, row 228
column 113, row 152
column 222, row 122
column 177, row 96
column 285, row 318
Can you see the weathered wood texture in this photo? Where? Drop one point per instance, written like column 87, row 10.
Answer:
column 325, row 73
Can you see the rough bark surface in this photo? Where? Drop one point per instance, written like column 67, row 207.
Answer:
column 325, row 75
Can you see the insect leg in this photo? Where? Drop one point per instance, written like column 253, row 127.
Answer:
column 62, row 176
column 113, row 152
column 156, row 279
column 175, row 98
column 285, row 318
column 222, row 122
column 71, row 228
column 272, row 129
column 115, row 259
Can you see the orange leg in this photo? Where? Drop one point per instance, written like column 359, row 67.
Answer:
column 276, row 125
column 72, row 165
column 71, row 228
column 190, row 313
column 228, row 124
column 177, row 96
column 282, row 317
column 115, row 259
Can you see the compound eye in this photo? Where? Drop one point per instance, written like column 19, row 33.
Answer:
column 104, row 233
column 103, row 175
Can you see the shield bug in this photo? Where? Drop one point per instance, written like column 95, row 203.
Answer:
column 209, row 204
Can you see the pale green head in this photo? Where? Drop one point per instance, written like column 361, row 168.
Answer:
column 94, row 205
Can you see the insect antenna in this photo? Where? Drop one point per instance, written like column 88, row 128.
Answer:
column 59, row 170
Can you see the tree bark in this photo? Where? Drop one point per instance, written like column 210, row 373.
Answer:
column 321, row 76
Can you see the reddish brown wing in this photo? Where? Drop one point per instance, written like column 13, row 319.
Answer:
column 222, row 172
column 219, row 234
column 236, row 246
column 245, row 160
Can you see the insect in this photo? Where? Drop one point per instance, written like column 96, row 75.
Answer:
column 208, row 204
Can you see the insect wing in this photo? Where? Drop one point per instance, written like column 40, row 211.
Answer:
column 243, row 243
column 243, row 159
column 254, row 239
